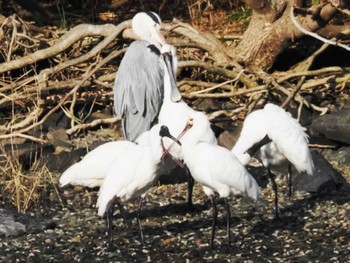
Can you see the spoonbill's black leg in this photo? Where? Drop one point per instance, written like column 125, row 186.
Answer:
column 109, row 221
column 122, row 212
column 290, row 190
column 190, row 182
column 139, row 220
column 228, row 223
column 274, row 187
column 215, row 215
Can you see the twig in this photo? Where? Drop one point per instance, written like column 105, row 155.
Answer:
column 92, row 124
column 21, row 135
column 328, row 70
column 14, row 33
column 220, row 71
column 219, row 85
column 321, row 146
column 224, row 94
column 227, row 113
column 293, row 93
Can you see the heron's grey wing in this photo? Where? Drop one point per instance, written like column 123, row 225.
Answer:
column 138, row 88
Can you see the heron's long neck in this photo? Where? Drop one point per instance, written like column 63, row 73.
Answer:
column 167, row 84
column 152, row 41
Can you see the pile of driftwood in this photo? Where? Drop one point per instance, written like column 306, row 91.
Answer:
column 45, row 70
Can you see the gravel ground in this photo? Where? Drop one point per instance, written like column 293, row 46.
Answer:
column 314, row 228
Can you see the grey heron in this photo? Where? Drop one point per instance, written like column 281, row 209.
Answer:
column 139, row 83
column 287, row 143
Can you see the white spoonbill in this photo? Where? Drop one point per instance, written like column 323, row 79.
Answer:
column 131, row 175
column 175, row 116
column 287, row 143
column 139, row 83
column 216, row 169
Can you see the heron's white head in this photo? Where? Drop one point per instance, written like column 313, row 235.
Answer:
column 146, row 25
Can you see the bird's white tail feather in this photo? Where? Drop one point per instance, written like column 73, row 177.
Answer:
column 69, row 175
column 252, row 187
column 84, row 173
column 243, row 182
column 105, row 195
column 287, row 133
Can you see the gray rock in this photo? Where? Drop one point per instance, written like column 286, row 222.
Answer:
column 9, row 226
column 334, row 126
column 60, row 161
column 15, row 224
column 341, row 156
column 325, row 178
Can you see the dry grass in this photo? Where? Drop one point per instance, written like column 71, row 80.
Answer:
column 21, row 188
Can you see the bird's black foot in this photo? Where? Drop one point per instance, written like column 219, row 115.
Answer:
column 110, row 246
column 190, row 207
column 211, row 246
column 277, row 219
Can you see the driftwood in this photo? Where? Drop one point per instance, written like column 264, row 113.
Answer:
column 43, row 71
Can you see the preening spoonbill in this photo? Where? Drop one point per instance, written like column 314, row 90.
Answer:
column 288, row 143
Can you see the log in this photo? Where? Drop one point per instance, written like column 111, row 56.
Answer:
column 271, row 30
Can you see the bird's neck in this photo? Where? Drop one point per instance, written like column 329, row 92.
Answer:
column 152, row 42
column 155, row 147
column 167, row 83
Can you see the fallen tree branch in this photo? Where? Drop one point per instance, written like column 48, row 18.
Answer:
column 220, row 71
column 224, row 94
column 310, row 73
column 21, row 135
column 77, row 33
column 314, row 35
column 92, row 124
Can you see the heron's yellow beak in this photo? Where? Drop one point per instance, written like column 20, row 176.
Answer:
column 175, row 94
column 157, row 35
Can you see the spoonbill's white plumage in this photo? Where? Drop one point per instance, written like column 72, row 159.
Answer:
column 175, row 116
column 288, row 143
column 216, row 169
column 93, row 168
column 132, row 174
column 138, row 87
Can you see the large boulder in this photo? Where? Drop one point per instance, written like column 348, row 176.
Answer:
column 325, row 178
column 334, row 126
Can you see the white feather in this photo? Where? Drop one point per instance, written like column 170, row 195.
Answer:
column 92, row 169
column 215, row 167
column 132, row 173
column 289, row 137
column 289, row 140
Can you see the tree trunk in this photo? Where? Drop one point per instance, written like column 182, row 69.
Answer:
column 271, row 30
